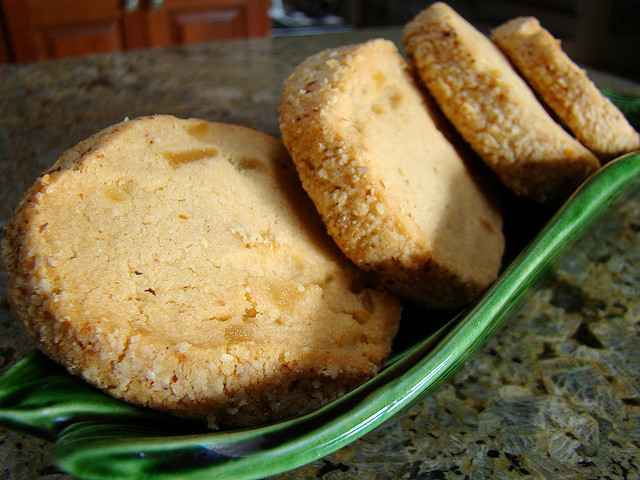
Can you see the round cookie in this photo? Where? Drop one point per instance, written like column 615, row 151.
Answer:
column 394, row 192
column 493, row 108
column 566, row 88
column 178, row 264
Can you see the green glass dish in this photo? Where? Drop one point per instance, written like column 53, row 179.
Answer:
column 98, row 437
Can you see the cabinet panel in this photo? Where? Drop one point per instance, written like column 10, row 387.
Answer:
column 196, row 21
column 194, row 27
column 71, row 40
column 41, row 29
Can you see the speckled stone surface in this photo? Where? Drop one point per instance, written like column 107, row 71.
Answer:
column 554, row 394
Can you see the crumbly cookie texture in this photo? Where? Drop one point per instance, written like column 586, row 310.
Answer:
column 178, row 264
column 566, row 88
column 395, row 193
column 493, row 107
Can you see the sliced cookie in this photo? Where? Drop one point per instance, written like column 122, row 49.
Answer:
column 178, row 264
column 566, row 88
column 493, row 107
column 395, row 194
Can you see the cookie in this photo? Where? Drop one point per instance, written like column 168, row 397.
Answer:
column 394, row 192
column 493, row 108
column 178, row 264
column 566, row 88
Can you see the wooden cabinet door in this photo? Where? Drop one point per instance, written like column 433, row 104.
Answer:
column 41, row 29
column 196, row 21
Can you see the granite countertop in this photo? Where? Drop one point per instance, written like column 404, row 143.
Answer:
column 555, row 393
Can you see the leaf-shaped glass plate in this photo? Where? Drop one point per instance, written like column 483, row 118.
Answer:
column 97, row 437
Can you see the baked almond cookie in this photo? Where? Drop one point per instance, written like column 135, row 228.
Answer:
column 395, row 194
column 566, row 88
column 493, row 107
column 178, row 264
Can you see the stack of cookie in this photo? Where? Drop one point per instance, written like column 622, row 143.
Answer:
column 400, row 189
column 499, row 114
column 179, row 264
